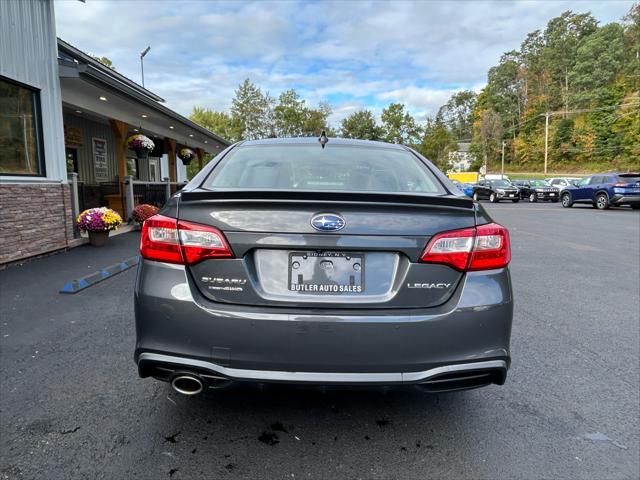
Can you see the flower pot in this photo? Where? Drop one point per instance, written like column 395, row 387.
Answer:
column 142, row 153
column 98, row 239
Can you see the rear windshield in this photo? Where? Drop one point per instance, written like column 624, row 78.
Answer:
column 629, row 178
column 336, row 167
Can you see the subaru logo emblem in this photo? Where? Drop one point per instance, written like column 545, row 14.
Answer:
column 328, row 222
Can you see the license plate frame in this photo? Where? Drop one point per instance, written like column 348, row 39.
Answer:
column 326, row 272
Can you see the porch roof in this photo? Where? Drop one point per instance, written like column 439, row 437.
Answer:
column 88, row 85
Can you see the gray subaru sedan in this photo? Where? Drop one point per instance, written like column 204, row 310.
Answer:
column 323, row 262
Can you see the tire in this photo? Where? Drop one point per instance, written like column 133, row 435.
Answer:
column 475, row 197
column 567, row 202
column 493, row 198
column 533, row 198
column 602, row 201
column 515, row 200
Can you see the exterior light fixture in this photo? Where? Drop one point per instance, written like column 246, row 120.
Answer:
column 144, row 116
column 191, row 134
column 171, row 127
column 206, row 141
column 104, row 99
column 78, row 111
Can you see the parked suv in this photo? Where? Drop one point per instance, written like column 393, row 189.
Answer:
column 496, row 190
column 604, row 190
column 332, row 262
column 535, row 190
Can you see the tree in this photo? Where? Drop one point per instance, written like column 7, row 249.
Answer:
column 399, row 126
column 599, row 60
column 292, row 118
column 104, row 61
column 361, row 125
column 437, row 142
column 457, row 114
column 316, row 121
column 290, row 114
column 220, row 123
column 487, row 135
column 253, row 111
column 563, row 37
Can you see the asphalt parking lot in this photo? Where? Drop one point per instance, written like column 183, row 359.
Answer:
column 72, row 406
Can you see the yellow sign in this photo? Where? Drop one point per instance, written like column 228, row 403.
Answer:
column 464, row 177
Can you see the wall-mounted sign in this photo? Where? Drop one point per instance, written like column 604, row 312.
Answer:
column 100, row 169
column 72, row 136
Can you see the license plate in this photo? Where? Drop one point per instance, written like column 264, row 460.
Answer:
column 511, row 195
column 326, row 273
column 552, row 194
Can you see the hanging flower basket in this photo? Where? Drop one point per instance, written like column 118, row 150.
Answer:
column 186, row 155
column 98, row 222
column 141, row 144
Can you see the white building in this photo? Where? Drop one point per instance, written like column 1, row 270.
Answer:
column 461, row 159
column 62, row 112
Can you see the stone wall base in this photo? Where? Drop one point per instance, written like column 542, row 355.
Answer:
column 34, row 219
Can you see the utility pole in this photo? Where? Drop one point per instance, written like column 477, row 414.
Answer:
column 546, row 140
column 502, row 171
column 142, row 54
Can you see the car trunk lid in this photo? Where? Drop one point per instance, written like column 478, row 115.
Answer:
column 282, row 260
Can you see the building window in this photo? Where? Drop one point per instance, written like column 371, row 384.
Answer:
column 21, row 151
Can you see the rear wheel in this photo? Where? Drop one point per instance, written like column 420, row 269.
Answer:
column 566, row 200
column 532, row 198
column 602, row 201
column 493, row 198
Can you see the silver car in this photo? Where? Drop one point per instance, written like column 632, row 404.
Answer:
column 332, row 262
column 563, row 182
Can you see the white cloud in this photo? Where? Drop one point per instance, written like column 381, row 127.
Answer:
column 423, row 101
column 356, row 54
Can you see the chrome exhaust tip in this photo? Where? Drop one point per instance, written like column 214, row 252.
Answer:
column 187, row 384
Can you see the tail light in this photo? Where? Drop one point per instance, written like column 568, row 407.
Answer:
column 169, row 240
column 619, row 184
column 481, row 248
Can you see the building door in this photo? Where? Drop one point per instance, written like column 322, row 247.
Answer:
column 72, row 159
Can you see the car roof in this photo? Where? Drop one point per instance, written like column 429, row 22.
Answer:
column 314, row 141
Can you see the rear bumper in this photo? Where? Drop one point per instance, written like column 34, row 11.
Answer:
column 149, row 362
column 178, row 329
column 622, row 199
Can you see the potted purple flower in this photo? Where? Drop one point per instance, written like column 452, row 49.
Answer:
column 141, row 144
column 98, row 222
column 186, row 155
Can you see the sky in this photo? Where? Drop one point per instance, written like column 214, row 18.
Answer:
column 353, row 55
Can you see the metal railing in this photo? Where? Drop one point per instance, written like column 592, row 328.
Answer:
column 135, row 192
column 154, row 193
